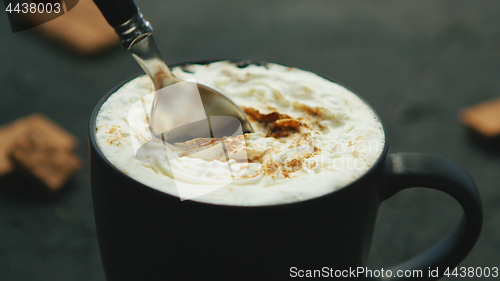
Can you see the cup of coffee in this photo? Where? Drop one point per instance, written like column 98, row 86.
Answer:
column 296, row 198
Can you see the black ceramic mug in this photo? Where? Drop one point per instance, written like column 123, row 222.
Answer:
column 145, row 234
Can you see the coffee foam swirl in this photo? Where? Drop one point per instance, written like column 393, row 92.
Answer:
column 308, row 130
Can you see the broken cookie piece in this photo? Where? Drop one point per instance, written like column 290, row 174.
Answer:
column 9, row 134
column 36, row 145
column 51, row 166
column 46, row 133
column 483, row 118
column 82, row 29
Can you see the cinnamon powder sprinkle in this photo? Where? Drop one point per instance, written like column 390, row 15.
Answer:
column 279, row 125
column 115, row 136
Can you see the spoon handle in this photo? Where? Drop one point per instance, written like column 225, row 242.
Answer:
column 134, row 33
column 117, row 12
column 124, row 16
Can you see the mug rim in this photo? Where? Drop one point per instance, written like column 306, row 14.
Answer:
column 240, row 63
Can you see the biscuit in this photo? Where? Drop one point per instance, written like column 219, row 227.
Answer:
column 82, row 30
column 42, row 129
column 38, row 154
column 483, row 118
column 39, row 146
column 9, row 134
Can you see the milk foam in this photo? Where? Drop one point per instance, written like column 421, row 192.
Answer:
column 335, row 137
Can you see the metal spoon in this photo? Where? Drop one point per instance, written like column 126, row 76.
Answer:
column 173, row 116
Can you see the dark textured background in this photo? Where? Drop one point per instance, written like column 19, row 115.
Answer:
column 416, row 62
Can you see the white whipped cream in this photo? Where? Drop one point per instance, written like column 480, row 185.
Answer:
column 332, row 137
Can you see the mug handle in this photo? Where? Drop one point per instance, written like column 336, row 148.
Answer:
column 407, row 170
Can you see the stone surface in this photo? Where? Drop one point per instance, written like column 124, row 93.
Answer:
column 418, row 63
